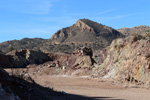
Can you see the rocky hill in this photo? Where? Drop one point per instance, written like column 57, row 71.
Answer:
column 25, row 43
column 87, row 32
column 135, row 30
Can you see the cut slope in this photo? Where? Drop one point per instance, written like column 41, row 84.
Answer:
column 126, row 59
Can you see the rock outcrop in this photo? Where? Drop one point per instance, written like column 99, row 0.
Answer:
column 81, row 58
column 22, row 58
column 126, row 59
column 5, row 61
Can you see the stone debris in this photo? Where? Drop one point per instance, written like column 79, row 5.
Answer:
column 62, row 62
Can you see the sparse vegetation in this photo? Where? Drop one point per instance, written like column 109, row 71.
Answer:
column 147, row 31
column 11, row 48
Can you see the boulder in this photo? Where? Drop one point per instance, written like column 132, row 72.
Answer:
column 83, row 62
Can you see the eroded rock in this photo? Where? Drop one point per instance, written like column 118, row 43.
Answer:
column 22, row 58
column 126, row 59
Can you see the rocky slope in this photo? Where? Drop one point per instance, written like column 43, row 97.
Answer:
column 85, row 31
column 126, row 60
column 5, row 93
column 5, row 61
column 16, row 88
column 135, row 30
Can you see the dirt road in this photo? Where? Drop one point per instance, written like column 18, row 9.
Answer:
column 91, row 89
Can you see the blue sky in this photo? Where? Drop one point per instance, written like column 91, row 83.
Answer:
column 42, row 18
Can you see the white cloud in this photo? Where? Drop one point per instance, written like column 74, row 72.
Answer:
column 28, row 6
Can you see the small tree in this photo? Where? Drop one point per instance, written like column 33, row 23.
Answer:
column 11, row 48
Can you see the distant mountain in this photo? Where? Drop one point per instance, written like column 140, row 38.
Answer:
column 135, row 30
column 83, row 33
column 25, row 43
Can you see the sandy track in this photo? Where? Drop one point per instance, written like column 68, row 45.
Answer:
column 91, row 89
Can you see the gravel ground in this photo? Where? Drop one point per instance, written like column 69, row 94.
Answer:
column 75, row 88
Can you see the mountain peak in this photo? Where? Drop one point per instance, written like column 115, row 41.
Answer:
column 81, row 23
column 85, row 31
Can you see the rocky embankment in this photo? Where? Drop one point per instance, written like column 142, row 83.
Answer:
column 126, row 60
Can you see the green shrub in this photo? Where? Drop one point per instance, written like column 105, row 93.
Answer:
column 11, row 48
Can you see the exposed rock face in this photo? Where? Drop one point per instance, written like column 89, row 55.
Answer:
column 126, row 59
column 135, row 30
column 84, row 26
column 5, row 61
column 76, row 60
column 84, row 51
column 83, row 62
column 22, row 58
